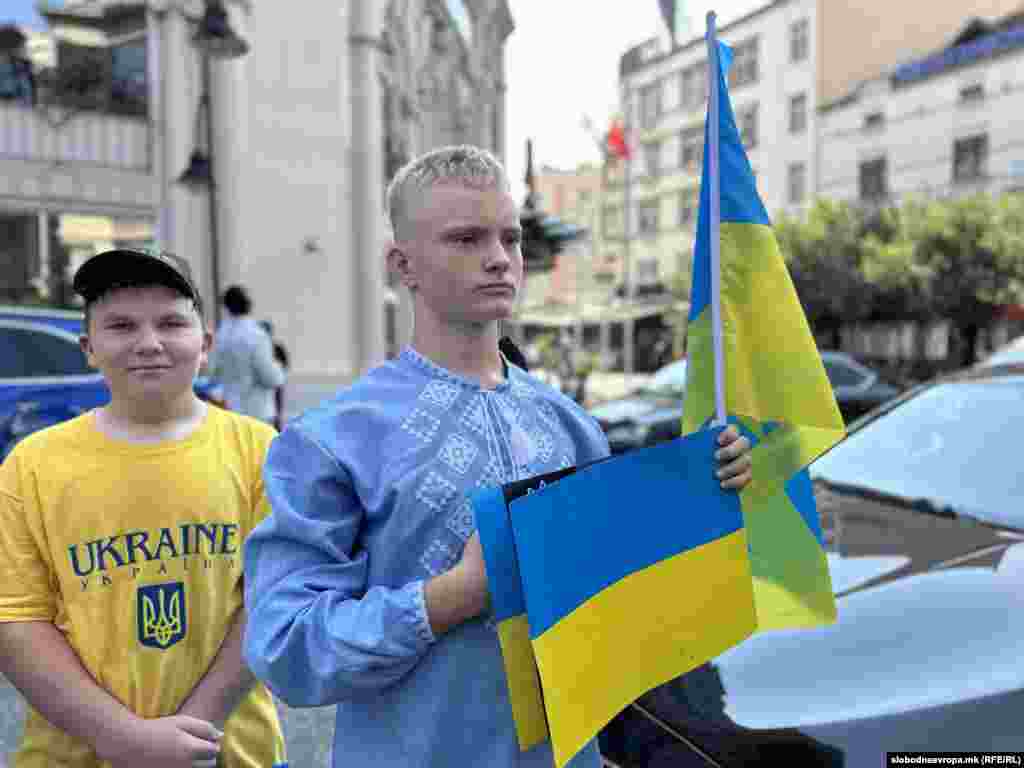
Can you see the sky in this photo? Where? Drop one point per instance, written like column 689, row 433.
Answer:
column 561, row 65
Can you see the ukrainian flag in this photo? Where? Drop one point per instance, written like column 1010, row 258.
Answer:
column 775, row 383
column 509, row 612
column 634, row 571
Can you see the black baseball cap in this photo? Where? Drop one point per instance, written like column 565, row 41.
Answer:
column 123, row 267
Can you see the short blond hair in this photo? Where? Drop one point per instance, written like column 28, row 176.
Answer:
column 461, row 164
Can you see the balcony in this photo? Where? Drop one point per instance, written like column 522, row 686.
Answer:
column 86, row 138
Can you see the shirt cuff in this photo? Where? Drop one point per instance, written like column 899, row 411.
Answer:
column 421, row 620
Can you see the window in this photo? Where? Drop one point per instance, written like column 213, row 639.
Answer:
column 873, row 121
column 797, row 182
column 748, row 126
column 693, row 86
column 650, row 105
column 687, row 207
column 842, row 375
column 652, row 159
column 646, row 271
column 647, row 213
column 744, row 64
column 799, row 41
column 873, row 181
column 691, row 149
column 128, row 91
column 31, row 353
column 17, row 83
column 798, row 113
column 970, row 158
column 972, row 94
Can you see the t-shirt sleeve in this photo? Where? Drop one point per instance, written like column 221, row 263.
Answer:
column 26, row 578
column 262, row 437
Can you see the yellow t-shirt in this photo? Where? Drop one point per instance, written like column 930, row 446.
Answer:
column 134, row 552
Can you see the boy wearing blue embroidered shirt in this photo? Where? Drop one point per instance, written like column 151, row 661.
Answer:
column 366, row 586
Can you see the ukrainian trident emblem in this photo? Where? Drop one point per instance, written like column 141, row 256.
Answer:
column 161, row 614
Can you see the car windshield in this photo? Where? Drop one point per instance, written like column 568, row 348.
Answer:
column 953, row 448
column 669, row 381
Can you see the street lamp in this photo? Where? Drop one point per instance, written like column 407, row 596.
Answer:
column 216, row 40
column 215, row 36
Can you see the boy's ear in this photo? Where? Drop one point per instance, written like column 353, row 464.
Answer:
column 86, row 346
column 401, row 263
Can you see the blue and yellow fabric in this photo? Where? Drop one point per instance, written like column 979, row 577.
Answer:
column 776, row 387
column 633, row 571
column 509, row 612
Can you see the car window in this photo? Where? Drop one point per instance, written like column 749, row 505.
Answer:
column 32, row 353
column 670, row 380
column 842, row 375
column 955, row 444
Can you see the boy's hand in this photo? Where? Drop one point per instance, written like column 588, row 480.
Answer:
column 734, row 459
column 473, row 577
column 178, row 741
column 460, row 594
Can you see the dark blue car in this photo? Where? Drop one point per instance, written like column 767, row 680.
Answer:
column 44, row 377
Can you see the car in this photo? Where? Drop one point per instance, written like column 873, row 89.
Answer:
column 44, row 377
column 921, row 507
column 653, row 413
column 1010, row 353
column 857, row 388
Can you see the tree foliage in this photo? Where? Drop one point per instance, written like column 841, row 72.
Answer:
column 957, row 259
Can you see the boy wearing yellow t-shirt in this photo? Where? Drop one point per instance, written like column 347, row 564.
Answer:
column 121, row 533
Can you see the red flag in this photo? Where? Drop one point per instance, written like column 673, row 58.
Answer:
column 615, row 141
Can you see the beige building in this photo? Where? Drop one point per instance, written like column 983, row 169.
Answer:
column 790, row 58
column 302, row 132
column 948, row 123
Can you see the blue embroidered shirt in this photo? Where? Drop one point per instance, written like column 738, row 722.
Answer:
column 369, row 498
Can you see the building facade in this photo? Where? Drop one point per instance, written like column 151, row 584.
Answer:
column 303, row 133
column 948, row 123
column 790, row 58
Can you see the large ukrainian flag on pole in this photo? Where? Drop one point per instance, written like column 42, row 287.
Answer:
column 753, row 357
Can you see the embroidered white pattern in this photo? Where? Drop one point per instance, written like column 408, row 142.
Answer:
column 547, row 411
column 438, row 558
column 440, row 393
column 421, row 424
column 475, row 418
column 458, row 452
column 545, row 445
column 460, row 522
column 436, row 492
column 565, row 463
column 492, row 475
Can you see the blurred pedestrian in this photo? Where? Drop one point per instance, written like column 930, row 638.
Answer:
column 242, row 359
column 366, row 585
column 121, row 530
column 281, row 358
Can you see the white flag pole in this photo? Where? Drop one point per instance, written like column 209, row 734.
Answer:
column 714, row 218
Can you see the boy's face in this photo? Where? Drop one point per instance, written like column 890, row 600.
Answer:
column 149, row 342
column 463, row 256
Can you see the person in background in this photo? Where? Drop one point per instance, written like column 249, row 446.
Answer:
column 281, row 358
column 242, row 359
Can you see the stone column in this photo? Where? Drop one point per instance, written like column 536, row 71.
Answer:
column 368, row 225
column 175, row 135
column 229, row 96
